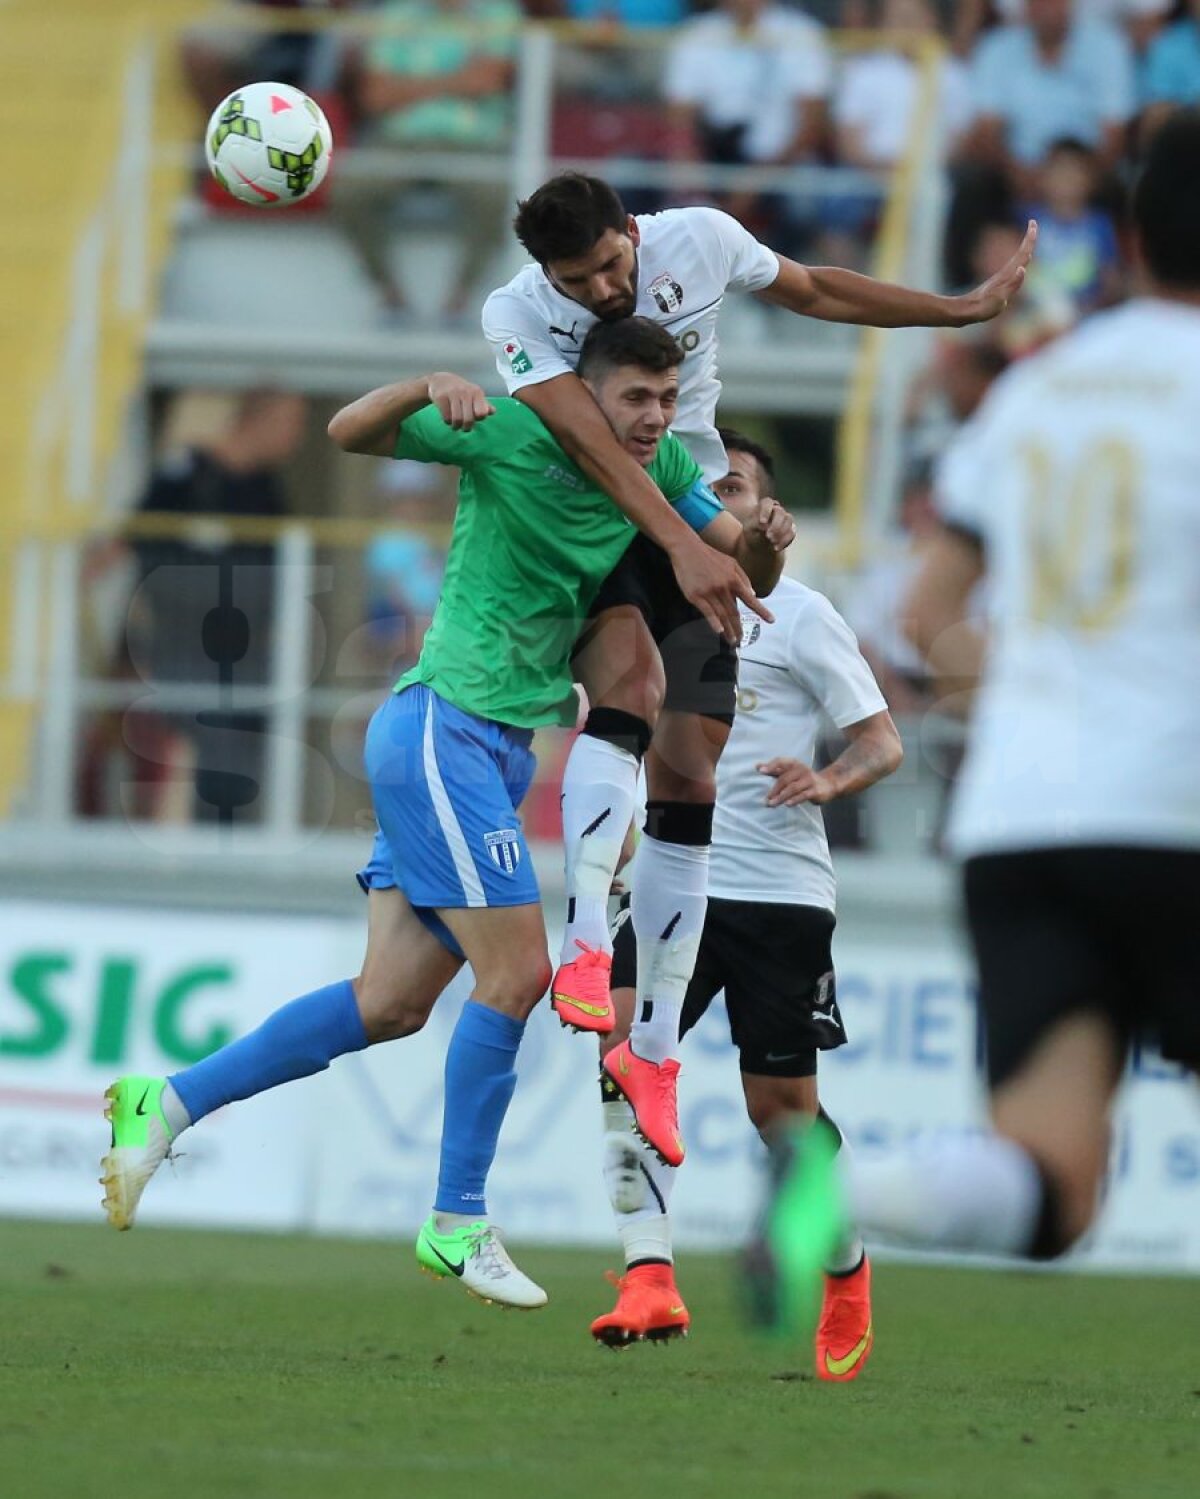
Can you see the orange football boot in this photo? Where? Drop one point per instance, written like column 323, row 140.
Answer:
column 649, row 1090
column 649, row 1308
column 845, row 1333
column 580, row 992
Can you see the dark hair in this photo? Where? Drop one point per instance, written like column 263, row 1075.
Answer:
column 565, row 217
column 1071, row 145
column 738, row 442
column 1166, row 202
column 628, row 340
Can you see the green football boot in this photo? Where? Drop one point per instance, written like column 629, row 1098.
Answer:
column 141, row 1141
column 474, row 1255
column 804, row 1218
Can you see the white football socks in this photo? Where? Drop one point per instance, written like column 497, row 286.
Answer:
column 667, row 907
column 639, row 1188
column 177, row 1117
column 599, row 788
column 973, row 1192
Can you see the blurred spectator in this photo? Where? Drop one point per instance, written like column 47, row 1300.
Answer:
column 748, row 84
column 201, row 614
column 877, row 92
column 873, row 606
column 1078, row 259
column 1172, row 72
column 216, row 58
column 948, row 390
column 404, row 567
column 615, row 13
column 1058, row 75
column 441, row 82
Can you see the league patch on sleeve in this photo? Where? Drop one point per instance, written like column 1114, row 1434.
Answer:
column 517, row 358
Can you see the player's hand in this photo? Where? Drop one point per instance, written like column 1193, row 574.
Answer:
column 795, row 783
column 460, row 403
column 772, row 526
column 990, row 299
column 713, row 583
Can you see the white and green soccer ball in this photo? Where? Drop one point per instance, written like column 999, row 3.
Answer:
column 268, row 144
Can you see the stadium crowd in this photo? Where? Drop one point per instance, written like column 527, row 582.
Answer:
column 1042, row 107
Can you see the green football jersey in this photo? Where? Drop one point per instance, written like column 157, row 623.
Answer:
column 533, row 540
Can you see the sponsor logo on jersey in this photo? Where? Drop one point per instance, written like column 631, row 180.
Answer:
column 517, row 357
column 559, row 475
column 667, row 292
column 504, row 849
column 568, row 333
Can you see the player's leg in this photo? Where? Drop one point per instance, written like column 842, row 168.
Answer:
column 1054, row 995
column 404, row 970
column 506, row 948
column 446, row 785
column 618, row 665
column 639, row 1184
column 781, row 998
column 669, row 885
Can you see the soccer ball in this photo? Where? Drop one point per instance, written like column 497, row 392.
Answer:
column 268, row 144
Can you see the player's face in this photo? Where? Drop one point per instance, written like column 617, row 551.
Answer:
column 741, row 488
column 640, row 406
column 605, row 279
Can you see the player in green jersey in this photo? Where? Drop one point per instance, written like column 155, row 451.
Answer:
column 449, row 761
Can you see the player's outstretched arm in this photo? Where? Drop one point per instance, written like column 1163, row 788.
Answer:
column 838, row 296
column 874, row 750
column 710, row 580
column 758, row 545
column 371, row 424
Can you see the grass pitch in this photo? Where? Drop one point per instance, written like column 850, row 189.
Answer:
column 155, row 1364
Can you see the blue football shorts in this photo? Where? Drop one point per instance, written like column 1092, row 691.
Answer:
column 446, row 786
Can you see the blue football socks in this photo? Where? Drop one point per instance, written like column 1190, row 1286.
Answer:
column 299, row 1039
column 480, row 1078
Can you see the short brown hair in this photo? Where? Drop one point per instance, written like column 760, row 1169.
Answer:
column 565, row 217
column 628, row 340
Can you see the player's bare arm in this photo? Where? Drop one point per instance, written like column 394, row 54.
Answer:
column 709, row 579
column 835, row 295
column 873, row 750
column 758, row 543
column 935, row 616
column 371, row 424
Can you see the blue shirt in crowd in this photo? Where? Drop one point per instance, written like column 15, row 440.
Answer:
column 1172, row 73
column 1090, row 86
column 629, row 12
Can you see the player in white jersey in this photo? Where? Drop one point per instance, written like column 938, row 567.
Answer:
column 1078, row 812
column 768, row 929
column 594, row 262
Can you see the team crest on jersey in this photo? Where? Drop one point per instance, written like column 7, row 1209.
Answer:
column 504, row 849
column 752, row 632
column 667, row 292
column 517, row 357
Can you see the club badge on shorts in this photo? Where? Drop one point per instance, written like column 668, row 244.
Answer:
column 504, row 849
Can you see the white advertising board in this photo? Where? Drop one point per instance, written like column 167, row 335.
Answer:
column 88, row 994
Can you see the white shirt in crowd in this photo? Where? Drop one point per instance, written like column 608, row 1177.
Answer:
column 687, row 260
column 877, row 93
column 755, row 77
column 1079, row 474
column 795, row 676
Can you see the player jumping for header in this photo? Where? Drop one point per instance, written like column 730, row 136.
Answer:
column 449, row 762
column 664, row 624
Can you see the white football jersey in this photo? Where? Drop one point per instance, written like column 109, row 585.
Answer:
column 1081, row 476
column 687, row 260
column 795, row 675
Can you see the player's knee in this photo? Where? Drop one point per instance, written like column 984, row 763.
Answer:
column 626, row 731
column 515, row 985
column 638, row 694
column 388, row 1011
